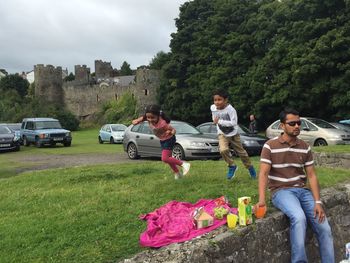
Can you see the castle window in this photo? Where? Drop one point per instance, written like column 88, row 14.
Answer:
column 97, row 98
column 146, row 92
column 116, row 96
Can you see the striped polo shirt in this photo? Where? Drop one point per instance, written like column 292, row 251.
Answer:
column 287, row 163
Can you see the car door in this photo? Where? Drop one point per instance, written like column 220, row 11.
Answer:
column 308, row 131
column 107, row 133
column 147, row 142
column 29, row 131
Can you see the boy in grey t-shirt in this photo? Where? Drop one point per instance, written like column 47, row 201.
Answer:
column 226, row 120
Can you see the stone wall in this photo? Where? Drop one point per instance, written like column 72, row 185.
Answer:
column 337, row 160
column 265, row 241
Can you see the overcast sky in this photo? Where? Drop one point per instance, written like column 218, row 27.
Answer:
column 76, row 32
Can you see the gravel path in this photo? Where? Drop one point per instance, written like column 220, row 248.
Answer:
column 42, row 162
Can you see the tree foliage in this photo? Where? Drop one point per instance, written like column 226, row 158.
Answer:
column 268, row 54
column 125, row 69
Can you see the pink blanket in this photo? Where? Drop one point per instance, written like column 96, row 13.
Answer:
column 173, row 223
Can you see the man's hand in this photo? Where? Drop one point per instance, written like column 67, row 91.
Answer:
column 319, row 212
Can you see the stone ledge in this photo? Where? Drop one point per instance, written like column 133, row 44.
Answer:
column 265, row 241
column 337, row 160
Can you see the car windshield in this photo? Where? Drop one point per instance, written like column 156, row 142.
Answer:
column 184, row 128
column 4, row 130
column 242, row 129
column 14, row 126
column 118, row 127
column 321, row 123
column 48, row 125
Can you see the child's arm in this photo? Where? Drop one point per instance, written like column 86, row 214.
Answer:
column 138, row 120
column 171, row 130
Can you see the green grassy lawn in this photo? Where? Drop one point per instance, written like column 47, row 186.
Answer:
column 90, row 214
column 333, row 149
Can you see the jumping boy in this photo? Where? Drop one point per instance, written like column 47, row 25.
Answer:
column 226, row 120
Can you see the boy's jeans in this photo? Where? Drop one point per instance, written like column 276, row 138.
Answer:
column 298, row 205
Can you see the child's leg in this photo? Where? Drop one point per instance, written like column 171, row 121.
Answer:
column 225, row 149
column 173, row 162
column 237, row 146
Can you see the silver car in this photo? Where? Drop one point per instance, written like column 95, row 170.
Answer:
column 316, row 132
column 112, row 133
column 190, row 143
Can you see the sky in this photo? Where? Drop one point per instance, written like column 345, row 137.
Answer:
column 77, row 32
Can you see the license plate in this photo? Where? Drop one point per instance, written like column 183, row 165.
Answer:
column 58, row 139
column 215, row 149
column 5, row 145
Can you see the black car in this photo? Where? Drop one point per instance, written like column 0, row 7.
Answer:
column 252, row 143
column 9, row 140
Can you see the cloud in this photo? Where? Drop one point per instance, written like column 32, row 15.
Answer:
column 75, row 32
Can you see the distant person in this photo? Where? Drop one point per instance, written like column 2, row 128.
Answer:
column 253, row 124
column 159, row 124
column 285, row 166
column 226, row 120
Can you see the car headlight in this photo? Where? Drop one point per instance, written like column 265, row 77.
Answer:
column 68, row 134
column 336, row 137
column 198, row 144
column 43, row 135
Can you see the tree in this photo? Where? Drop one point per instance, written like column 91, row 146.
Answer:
column 14, row 82
column 70, row 77
column 125, row 69
column 159, row 60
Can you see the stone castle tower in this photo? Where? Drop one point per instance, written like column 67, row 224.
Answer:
column 48, row 83
column 85, row 95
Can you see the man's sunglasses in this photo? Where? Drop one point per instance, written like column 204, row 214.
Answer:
column 293, row 123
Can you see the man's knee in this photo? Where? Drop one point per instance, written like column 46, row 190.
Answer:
column 224, row 151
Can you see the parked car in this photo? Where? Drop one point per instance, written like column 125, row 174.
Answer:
column 345, row 122
column 15, row 129
column 44, row 131
column 341, row 126
column 112, row 133
column 190, row 142
column 8, row 139
column 316, row 132
column 251, row 142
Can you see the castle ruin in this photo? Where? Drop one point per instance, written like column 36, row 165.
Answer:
column 85, row 95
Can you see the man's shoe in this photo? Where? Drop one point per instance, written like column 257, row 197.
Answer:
column 252, row 172
column 231, row 171
column 185, row 168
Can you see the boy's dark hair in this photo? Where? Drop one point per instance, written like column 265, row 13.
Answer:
column 221, row 92
column 285, row 112
column 156, row 110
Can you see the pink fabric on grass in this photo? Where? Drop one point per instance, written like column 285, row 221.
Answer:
column 173, row 223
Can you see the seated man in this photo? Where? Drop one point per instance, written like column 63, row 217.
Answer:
column 286, row 164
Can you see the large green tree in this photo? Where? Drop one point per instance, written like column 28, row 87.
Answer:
column 269, row 54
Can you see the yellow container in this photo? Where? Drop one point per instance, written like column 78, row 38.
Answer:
column 245, row 211
column 232, row 220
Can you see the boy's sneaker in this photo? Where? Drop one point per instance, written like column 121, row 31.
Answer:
column 185, row 168
column 252, row 172
column 231, row 171
column 178, row 175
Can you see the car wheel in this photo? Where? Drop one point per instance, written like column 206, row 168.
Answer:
column 178, row 152
column 132, row 151
column 67, row 144
column 111, row 140
column 25, row 141
column 320, row 142
column 38, row 143
column 100, row 140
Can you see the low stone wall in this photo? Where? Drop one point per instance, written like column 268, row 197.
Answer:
column 337, row 160
column 265, row 241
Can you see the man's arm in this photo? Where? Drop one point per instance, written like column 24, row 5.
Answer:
column 315, row 189
column 263, row 177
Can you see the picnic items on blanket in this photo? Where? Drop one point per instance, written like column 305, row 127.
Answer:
column 245, row 211
column 173, row 222
column 202, row 219
column 220, row 212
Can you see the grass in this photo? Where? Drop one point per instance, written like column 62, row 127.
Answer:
column 332, row 149
column 90, row 214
